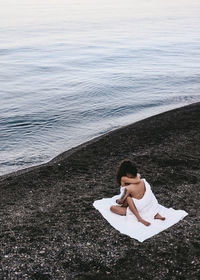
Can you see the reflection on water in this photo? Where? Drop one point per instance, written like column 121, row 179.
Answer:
column 73, row 70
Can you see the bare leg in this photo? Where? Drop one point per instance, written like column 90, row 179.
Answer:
column 135, row 212
column 158, row 216
column 125, row 204
column 118, row 210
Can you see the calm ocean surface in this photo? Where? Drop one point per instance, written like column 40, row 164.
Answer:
column 76, row 69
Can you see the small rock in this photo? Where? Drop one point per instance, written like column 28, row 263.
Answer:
column 42, row 252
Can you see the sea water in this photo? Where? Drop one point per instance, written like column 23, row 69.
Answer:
column 71, row 70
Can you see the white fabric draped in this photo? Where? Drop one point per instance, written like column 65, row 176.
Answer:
column 148, row 206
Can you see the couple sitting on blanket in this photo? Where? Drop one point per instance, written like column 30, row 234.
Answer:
column 137, row 198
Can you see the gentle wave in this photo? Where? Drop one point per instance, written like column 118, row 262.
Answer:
column 92, row 70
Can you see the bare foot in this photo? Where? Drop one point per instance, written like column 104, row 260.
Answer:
column 158, row 216
column 144, row 222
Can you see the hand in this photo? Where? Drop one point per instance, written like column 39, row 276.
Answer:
column 119, row 201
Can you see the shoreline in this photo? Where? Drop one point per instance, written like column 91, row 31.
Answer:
column 84, row 145
column 50, row 230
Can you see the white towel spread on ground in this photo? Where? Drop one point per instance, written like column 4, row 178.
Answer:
column 147, row 207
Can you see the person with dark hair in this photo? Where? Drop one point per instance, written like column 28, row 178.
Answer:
column 136, row 195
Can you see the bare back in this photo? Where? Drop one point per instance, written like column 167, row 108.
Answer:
column 137, row 190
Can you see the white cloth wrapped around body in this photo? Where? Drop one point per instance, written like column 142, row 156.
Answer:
column 147, row 207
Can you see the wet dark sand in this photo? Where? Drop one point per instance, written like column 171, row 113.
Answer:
column 50, row 230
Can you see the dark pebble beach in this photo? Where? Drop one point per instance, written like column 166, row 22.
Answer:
column 50, row 230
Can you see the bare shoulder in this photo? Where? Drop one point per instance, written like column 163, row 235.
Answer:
column 131, row 187
column 137, row 188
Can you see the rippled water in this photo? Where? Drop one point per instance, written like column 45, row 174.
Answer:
column 73, row 70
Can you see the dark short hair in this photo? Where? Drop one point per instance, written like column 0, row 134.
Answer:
column 126, row 167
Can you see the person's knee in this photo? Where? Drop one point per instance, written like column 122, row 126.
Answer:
column 112, row 208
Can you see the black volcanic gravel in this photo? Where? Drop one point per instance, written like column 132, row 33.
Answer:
column 50, row 230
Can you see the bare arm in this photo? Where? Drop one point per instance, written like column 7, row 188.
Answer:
column 123, row 197
column 128, row 180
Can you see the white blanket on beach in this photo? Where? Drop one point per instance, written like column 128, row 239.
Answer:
column 148, row 206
